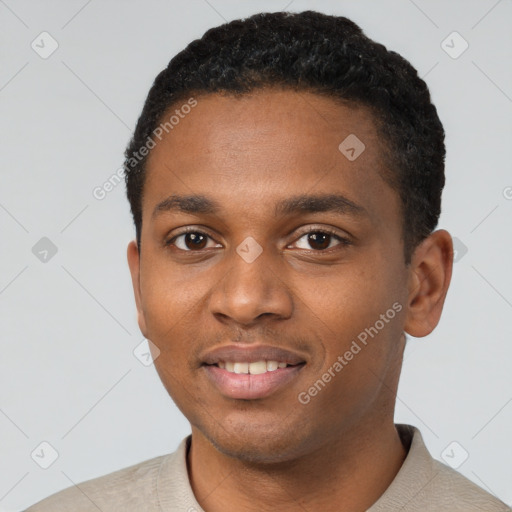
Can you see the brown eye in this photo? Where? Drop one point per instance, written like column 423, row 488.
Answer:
column 195, row 240
column 319, row 240
column 191, row 241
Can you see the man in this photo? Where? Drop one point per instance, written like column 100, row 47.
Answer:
column 285, row 181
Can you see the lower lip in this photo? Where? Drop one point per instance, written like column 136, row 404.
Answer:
column 247, row 386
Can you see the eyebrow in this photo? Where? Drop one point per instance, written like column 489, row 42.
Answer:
column 199, row 204
column 186, row 204
column 335, row 203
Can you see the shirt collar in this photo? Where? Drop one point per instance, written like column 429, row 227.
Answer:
column 175, row 492
column 414, row 475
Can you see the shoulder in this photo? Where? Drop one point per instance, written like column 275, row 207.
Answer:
column 456, row 492
column 131, row 488
column 423, row 484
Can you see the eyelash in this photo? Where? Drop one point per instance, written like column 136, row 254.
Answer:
column 327, row 231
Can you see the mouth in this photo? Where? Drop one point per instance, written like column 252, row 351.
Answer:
column 251, row 380
column 250, row 372
column 252, row 368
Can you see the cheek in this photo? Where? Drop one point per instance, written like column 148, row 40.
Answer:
column 168, row 299
column 357, row 312
column 346, row 298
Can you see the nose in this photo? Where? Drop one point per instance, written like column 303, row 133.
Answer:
column 250, row 291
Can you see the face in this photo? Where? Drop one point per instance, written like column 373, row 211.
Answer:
column 258, row 230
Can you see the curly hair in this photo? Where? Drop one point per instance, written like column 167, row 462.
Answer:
column 324, row 54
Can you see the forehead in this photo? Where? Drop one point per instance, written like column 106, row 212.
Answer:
column 258, row 148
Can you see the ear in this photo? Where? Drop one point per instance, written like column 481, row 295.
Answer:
column 429, row 279
column 134, row 264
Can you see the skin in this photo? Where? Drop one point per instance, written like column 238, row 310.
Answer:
column 341, row 450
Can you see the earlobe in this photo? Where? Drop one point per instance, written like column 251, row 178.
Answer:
column 430, row 276
column 134, row 265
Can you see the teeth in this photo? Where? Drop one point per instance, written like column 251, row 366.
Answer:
column 241, row 367
column 256, row 368
column 272, row 365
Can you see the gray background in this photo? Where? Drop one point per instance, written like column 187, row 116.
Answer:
column 68, row 373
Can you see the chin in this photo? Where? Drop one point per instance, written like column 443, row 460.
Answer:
column 257, row 443
column 253, row 452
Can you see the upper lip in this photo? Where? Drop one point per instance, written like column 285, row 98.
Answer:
column 251, row 354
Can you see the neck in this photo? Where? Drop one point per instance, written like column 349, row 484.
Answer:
column 349, row 473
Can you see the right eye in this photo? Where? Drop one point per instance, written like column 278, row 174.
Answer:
column 190, row 241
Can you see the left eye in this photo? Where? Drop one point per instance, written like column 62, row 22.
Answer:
column 320, row 240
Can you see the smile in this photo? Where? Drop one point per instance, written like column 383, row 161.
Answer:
column 249, row 381
column 256, row 368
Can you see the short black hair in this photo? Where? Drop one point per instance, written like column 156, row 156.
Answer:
column 314, row 52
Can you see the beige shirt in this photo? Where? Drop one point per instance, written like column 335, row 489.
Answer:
column 161, row 484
